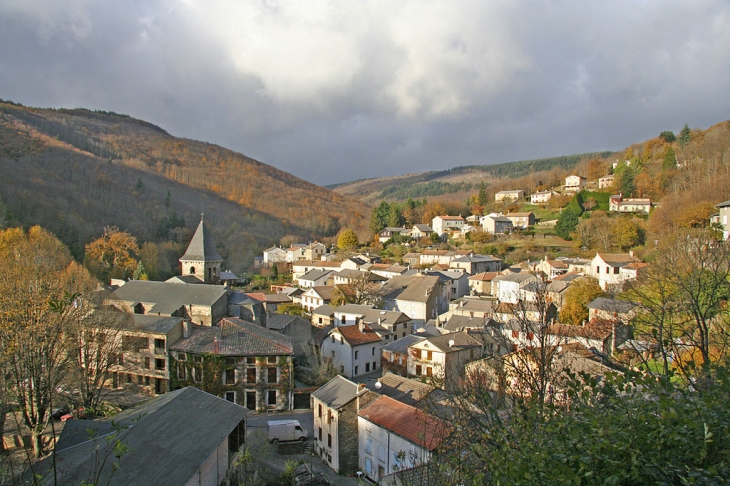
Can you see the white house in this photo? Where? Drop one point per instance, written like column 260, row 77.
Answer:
column 274, row 255
column 541, row 197
column 317, row 296
column 507, row 288
column 316, row 277
column 295, row 252
column 354, row 350
column 445, row 224
column 393, row 436
column 349, row 314
column 473, row 264
column 724, row 218
column 420, row 297
column 605, row 182
column 442, row 357
column 521, row 220
column 574, row 183
column 617, row 203
column 606, row 268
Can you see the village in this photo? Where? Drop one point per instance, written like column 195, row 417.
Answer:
column 367, row 353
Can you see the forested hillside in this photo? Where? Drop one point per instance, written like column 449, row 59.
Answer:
column 77, row 171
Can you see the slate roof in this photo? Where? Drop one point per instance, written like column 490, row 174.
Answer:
column 168, row 297
column 315, row 274
column 406, row 421
column 612, row 305
column 185, row 279
column 337, row 392
column 423, row 228
column 458, row 323
column 595, row 329
column 278, row 322
column 462, row 341
column 324, row 310
column 359, row 309
column 169, row 438
column 355, row 337
column 402, row 389
column 476, row 259
column 152, row 324
column 235, row 337
column 723, row 205
column 567, row 277
column 401, row 345
column 239, row 298
column 477, row 305
column 387, row 318
column 270, row 298
column 202, row 246
column 415, row 289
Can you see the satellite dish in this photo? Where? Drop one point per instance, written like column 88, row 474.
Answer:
column 378, row 385
column 451, row 343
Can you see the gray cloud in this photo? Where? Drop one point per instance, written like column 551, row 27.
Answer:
column 339, row 90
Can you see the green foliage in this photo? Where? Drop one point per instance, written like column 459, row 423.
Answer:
column 567, row 222
column 684, row 136
column 581, row 293
column 379, row 217
column 526, row 167
column 293, row 309
column 482, row 195
column 408, row 189
column 629, row 429
column 670, row 159
column 668, row 136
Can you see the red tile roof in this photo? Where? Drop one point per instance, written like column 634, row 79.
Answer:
column 406, row 421
column 353, row 335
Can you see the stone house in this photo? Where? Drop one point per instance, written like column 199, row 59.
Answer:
column 334, row 406
column 473, row 264
column 236, row 360
column 143, row 360
column 202, row 304
column 481, row 283
column 323, row 316
column 419, row 297
column 394, row 355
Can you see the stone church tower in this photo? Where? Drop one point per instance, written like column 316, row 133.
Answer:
column 201, row 259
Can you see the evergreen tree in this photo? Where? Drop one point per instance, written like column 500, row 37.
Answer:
column 684, row 136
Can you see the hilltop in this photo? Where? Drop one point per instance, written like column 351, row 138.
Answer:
column 77, row 171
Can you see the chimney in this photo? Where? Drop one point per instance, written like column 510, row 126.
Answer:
column 361, row 325
column 186, row 329
column 380, row 320
column 631, row 253
column 216, row 345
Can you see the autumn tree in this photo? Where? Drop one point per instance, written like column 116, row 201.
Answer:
column 113, row 255
column 580, row 293
column 347, row 240
column 39, row 287
column 627, row 233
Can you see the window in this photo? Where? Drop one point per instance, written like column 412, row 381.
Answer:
column 251, row 375
column 333, row 339
column 530, row 336
column 342, row 368
column 160, row 343
column 343, row 319
column 373, row 353
column 197, row 374
column 329, row 440
column 160, row 363
column 147, row 380
column 429, row 355
column 333, row 353
column 271, row 360
column 419, row 369
column 356, row 370
column 368, row 466
column 271, row 375
column 319, row 414
column 367, row 367
column 197, row 359
column 229, row 377
column 271, row 397
column 615, row 271
column 320, row 434
column 329, row 416
column 375, row 365
column 148, row 363
column 134, row 343
column 231, row 396
column 230, row 361
column 356, row 353
column 250, row 360
column 429, row 371
column 181, row 371
column 120, row 359
column 381, row 453
column 369, row 446
column 598, row 270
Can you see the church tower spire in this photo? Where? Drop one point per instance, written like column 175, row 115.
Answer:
column 202, row 259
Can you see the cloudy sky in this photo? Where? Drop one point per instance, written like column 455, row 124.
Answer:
column 338, row 90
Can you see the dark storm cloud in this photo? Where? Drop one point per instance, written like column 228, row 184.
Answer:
column 340, row 90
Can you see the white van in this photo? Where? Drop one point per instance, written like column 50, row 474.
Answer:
column 286, row 430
